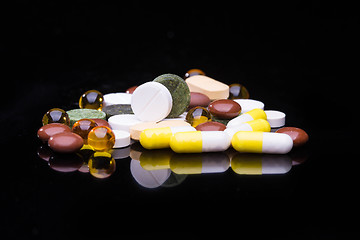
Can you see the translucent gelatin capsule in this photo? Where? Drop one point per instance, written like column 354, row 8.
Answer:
column 238, row 91
column 193, row 72
column 101, row 138
column 91, row 99
column 198, row 115
column 56, row 115
column 83, row 127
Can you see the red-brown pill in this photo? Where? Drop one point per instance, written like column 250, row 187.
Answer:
column 131, row 89
column 210, row 126
column 101, row 122
column 198, row 99
column 224, row 108
column 66, row 142
column 299, row 136
column 48, row 130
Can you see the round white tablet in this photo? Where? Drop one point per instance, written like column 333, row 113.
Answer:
column 122, row 138
column 123, row 122
column 249, row 104
column 151, row 102
column 275, row 118
column 116, row 98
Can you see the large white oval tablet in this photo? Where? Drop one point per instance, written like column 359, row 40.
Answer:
column 275, row 118
column 123, row 122
column 122, row 138
column 249, row 104
column 116, row 98
column 151, row 102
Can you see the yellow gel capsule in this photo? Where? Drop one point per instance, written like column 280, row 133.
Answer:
column 157, row 138
column 101, row 138
column 101, row 165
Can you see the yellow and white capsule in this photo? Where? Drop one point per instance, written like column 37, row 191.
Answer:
column 260, row 125
column 199, row 141
column 262, row 142
column 157, row 138
column 254, row 114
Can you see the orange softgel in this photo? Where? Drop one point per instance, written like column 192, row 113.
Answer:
column 197, row 115
column 101, row 138
column 83, row 127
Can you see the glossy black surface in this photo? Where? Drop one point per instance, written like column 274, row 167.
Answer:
column 295, row 58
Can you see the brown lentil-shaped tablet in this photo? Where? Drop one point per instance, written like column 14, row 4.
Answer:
column 66, row 142
column 224, row 108
column 198, row 99
column 299, row 136
column 130, row 90
column 101, row 122
column 48, row 130
column 210, row 126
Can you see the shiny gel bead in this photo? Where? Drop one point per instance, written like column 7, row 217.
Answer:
column 198, row 115
column 101, row 138
column 83, row 127
column 193, row 72
column 101, row 165
column 91, row 99
column 56, row 115
column 238, row 91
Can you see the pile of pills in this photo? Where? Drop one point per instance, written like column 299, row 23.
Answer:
column 195, row 115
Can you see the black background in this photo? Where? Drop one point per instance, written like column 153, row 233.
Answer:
column 296, row 58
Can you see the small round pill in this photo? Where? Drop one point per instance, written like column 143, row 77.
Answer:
column 224, row 108
column 83, row 127
column 48, row 130
column 299, row 136
column 65, row 142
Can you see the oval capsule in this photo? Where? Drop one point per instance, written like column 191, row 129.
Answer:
column 262, row 142
column 157, row 138
column 199, row 141
column 254, row 114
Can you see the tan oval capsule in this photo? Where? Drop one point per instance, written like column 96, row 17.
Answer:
column 66, row 142
column 48, row 130
column 299, row 136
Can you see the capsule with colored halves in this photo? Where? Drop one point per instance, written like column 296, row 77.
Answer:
column 262, row 142
column 200, row 141
column 157, row 138
column 254, row 114
column 260, row 125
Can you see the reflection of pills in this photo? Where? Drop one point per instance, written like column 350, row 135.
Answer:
column 148, row 179
column 151, row 101
column 275, row 118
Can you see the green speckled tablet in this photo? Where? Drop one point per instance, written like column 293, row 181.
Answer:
column 117, row 109
column 179, row 90
column 77, row 114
